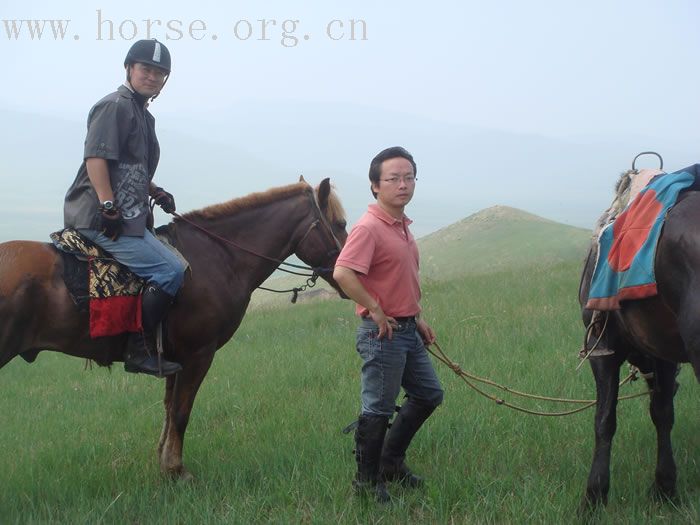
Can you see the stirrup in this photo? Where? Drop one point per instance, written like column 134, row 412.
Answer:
column 151, row 365
column 596, row 352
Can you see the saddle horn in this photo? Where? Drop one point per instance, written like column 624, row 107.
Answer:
column 661, row 160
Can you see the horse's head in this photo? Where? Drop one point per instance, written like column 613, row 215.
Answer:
column 322, row 242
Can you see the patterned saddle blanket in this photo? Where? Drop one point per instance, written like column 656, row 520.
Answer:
column 99, row 284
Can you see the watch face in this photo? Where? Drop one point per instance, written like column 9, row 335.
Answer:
column 108, row 205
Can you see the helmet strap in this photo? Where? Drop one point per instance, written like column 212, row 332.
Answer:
column 161, row 89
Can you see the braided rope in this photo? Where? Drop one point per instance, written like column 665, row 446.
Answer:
column 467, row 376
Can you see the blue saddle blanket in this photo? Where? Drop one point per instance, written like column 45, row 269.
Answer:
column 627, row 247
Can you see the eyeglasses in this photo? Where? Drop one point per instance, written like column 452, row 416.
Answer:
column 408, row 179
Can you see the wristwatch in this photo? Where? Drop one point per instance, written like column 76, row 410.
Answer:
column 108, row 205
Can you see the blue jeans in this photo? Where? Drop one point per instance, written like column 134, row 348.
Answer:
column 389, row 364
column 146, row 256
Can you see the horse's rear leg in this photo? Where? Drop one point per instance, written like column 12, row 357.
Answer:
column 606, row 371
column 167, row 403
column 186, row 385
column 661, row 409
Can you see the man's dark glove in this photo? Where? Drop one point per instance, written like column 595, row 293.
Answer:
column 164, row 199
column 111, row 223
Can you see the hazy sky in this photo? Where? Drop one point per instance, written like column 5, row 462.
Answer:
column 596, row 71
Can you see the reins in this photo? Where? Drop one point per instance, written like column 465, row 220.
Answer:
column 470, row 379
column 213, row 235
column 310, row 283
column 316, row 271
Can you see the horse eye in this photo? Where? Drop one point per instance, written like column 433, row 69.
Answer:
column 341, row 224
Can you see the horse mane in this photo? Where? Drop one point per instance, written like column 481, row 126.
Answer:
column 620, row 201
column 226, row 209
column 233, row 206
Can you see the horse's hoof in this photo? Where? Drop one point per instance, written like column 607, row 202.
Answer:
column 662, row 495
column 590, row 512
column 185, row 476
column 590, row 504
column 179, row 474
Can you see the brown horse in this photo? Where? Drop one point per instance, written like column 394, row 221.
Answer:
column 655, row 334
column 244, row 242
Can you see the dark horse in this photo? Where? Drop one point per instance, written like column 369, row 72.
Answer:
column 655, row 334
column 36, row 312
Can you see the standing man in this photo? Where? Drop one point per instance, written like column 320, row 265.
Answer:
column 108, row 201
column 378, row 269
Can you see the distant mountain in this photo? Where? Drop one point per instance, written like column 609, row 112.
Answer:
column 247, row 147
column 499, row 238
column 494, row 239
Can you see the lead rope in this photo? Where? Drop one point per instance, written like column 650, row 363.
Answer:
column 468, row 377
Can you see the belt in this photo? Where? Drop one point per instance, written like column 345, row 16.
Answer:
column 398, row 319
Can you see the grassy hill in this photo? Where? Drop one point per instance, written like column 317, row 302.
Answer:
column 499, row 238
column 492, row 240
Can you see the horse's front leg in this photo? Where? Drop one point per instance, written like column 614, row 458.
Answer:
column 186, row 385
column 606, row 370
column 661, row 409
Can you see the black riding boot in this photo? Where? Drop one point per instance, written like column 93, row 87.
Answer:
column 141, row 352
column 409, row 419
column 369, row 438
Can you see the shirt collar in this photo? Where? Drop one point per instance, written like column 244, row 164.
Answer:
column 128, row 92
column 379, row 213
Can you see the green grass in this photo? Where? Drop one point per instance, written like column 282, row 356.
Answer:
column 264, row 440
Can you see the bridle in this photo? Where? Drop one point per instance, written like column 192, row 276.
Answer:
column 316, row 271
column 322, row 218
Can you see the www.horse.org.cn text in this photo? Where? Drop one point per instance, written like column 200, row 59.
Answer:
column 288, row 32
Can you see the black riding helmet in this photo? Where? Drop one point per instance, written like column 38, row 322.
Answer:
column 149, row 52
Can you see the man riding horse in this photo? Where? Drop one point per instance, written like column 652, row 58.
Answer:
column 108, row 200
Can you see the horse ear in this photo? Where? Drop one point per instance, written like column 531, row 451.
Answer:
column 301, row 178
column 324, row 191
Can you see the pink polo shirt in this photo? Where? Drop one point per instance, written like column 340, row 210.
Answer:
column 384, row 254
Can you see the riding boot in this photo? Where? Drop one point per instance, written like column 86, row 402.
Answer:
column 369, row 438
column 410, row 418
column 141, row 352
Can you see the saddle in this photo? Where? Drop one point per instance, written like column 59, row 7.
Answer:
column 98, row 284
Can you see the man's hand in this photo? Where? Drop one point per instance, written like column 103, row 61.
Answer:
column 386, row 324
column 111, row 223
column 164, row 199
column 425, row 332
column 351, row 285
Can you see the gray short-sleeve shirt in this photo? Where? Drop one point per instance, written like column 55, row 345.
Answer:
column 122, row 132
